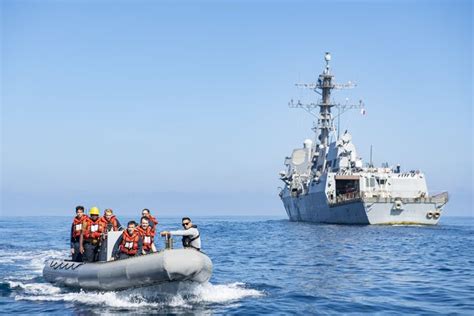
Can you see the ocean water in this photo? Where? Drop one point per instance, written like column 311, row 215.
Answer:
column 264, row 265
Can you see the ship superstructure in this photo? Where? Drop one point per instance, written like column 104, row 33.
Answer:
column 327, row 182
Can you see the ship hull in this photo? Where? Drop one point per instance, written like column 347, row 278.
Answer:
column 314, row 208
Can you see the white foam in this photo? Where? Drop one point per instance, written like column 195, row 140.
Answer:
column 35, row 288
column 108, row 299
column 30, row 262
column 188, row 295
column 178, row 301
column 221, row 293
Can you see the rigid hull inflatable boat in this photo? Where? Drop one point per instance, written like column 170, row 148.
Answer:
column 160, row 267
column 169, row 265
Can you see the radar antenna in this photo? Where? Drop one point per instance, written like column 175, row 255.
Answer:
column 343, row 108
column 323, row 87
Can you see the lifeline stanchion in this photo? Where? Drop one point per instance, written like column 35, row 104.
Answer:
column 169, row 242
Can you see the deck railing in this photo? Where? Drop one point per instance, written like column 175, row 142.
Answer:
column 441, row 198
column 345, row 198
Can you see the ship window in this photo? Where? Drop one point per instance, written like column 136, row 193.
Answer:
column 372, row 182
column 347, row 188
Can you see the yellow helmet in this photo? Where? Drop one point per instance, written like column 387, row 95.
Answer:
column 94, row 211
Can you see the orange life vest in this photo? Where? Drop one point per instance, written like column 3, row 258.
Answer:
column 129, row 243
column 77, row 226
column 148, row 236
column 93, row 230
column 111, row 225
column 153, row 219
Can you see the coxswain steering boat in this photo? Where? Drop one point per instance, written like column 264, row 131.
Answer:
column 168, row 265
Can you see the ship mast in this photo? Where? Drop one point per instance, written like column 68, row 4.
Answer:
column 325, row 120
column 325, row 85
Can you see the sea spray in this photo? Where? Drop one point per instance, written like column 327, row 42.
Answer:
column 186, row 295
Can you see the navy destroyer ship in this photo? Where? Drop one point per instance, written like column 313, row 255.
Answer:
column 327, row 182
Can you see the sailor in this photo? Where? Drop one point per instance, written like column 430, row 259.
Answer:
column 129, row 244
column 191, row 237
column 108, row 223
column 91, row 236
column 148, row 235
column 153, row 221
column 76, row 230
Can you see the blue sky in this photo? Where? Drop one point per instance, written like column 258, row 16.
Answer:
column 181, row 107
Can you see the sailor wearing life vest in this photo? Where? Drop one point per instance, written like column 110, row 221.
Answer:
column 148, row 235
column 191, row 237
column 91, row 236
column 76, row 230
column 152, row 220
column 129, row 244
column 109, row 223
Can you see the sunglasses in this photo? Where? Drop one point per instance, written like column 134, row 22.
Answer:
column 186, row 224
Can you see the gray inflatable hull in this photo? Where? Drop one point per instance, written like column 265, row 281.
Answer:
column 161, row 267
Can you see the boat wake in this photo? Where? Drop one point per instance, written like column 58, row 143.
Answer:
column 27, row 284
column 154, row 297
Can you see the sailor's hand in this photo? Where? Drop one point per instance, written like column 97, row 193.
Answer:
column 81, row 249
column 72, row 251
column 164, row 233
